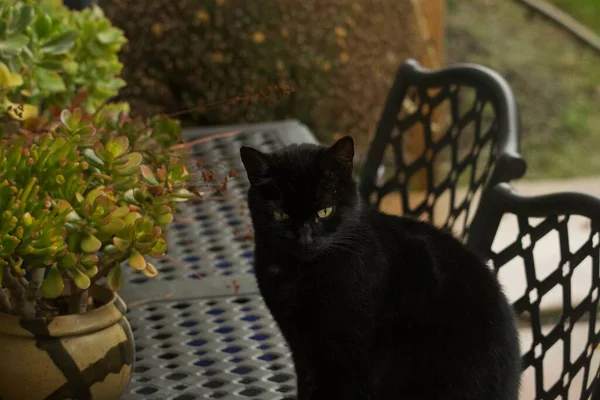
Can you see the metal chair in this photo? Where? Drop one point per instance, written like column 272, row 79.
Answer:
column 560, row 300
column 462, row 123
column 466, row 162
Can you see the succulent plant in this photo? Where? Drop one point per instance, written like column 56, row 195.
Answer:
column 49, row 54
column 78, row 199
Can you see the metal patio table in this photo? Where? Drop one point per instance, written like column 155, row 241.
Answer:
column 201, row 328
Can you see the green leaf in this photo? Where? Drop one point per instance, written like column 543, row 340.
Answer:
column 121, row 244
column 9, row 244
column 164, row 219
column 70, row 67
column 117, row 146
column 53, row 65
column 60, row 44
column 53, row 284
column 43, row 26
column 92, row 157
column 91, row 271
column 88, row 260
column 159, row 249
column 110, row 35
column 82, row 281
column 22, row 19
column 132, row 217
column 114, row 280
column 65, row 118
column 120, row 212
column 90, row 243
column 137, row 261
column 114, row 226
column 14, row 45
column 111, row 250
column 110, row 86
column 68, row 261
column 49, row 80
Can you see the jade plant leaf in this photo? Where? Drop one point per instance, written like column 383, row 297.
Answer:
column 90, row 243
column 121, row 244
column 68, row 261
column 113, row 226
column 114, row 280
column 148, row 175
column 53, row 284
column 88, row 260
column 82, row 281
column 117, row 146
column 150, row 271
column 137, row 261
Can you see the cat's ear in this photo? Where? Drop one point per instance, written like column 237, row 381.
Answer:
column 339, row 157
column 255, row 162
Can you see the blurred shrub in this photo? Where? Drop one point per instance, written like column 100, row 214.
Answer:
column 337, row 56
column 48, row 55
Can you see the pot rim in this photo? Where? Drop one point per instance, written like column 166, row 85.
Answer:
column 110, row 313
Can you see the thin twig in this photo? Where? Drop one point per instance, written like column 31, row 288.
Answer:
column 146, row 301
column 273, row 90
column 205, row 139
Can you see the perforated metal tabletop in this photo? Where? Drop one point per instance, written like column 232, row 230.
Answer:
column 201, row 329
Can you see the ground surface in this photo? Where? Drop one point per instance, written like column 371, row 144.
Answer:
column 556, row 79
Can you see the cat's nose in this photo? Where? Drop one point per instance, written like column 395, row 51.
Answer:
column 305, row 235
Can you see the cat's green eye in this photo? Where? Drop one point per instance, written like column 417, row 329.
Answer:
column 279, row 216
column 326, row 212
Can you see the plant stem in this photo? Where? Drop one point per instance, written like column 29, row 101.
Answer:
column 16, row 290
column 78, row 301
column 5, row 305
column 103, row 271
column 33, row 293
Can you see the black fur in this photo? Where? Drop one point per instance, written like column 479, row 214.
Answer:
column 373, row 306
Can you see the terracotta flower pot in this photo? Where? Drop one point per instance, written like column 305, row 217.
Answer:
column 85, row 356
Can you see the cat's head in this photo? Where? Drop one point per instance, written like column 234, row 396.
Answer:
column 303, row 198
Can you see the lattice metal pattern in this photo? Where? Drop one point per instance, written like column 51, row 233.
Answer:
column 445, row 136
column 227, row 348
column 559, row 351
column 210, row 238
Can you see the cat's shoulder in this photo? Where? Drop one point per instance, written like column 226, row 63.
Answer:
column 412, row 230
column 404, row 223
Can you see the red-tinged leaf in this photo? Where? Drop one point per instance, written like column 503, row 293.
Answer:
column 150, row 271
column 148, row 175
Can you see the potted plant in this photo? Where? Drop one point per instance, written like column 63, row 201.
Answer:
column 79, row 197
column 84, row 191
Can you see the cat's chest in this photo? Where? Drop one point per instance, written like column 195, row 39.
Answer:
column 302, row 295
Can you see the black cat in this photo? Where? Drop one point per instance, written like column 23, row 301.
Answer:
column 373, row 306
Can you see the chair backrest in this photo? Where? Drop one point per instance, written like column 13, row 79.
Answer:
column 444, row 129
column 547, row 256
